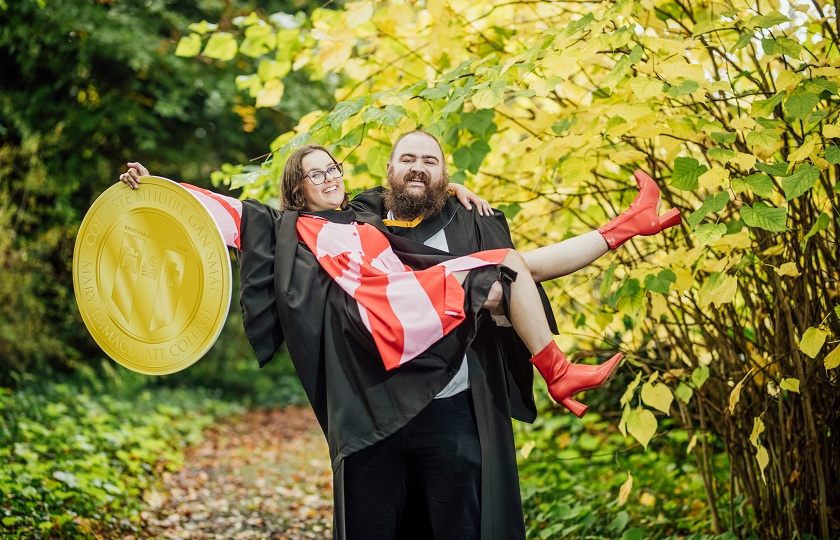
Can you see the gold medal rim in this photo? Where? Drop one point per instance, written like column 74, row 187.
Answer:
column 226, row 279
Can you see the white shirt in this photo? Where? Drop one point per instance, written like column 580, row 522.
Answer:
column 461, row 380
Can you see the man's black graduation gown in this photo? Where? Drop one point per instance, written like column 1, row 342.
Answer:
column 287, row 297
column 501, row 375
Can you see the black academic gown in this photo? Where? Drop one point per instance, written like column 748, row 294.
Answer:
column 501, row 375
column 287, row 297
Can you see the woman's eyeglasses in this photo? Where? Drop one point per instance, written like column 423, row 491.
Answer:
column 319, row 177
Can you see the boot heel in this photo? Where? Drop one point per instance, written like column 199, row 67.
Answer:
column 577, row 408
column 669, row 219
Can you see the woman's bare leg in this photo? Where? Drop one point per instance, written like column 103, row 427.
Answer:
column 526, row 313
column 563, row 258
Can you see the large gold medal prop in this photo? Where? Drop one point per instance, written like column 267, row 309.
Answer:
column 152, row 276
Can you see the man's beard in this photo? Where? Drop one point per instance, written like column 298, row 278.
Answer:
column 406, row 205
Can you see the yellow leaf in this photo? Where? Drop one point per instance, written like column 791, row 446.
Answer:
column 812, row 341
column 624, row 490
column 658, row 306
column 221, row 46
column 718, row 292
column 831, row 131
column 691, row 444
column 436, row 7
column 787, row 80
column 332, row 54
column 487, row 98
column 832, row 360
column 189, row 45
column 645, row 88
column 526, row 449
column 646, row 499
column 804, row 150
column 787, row 269
column 744, row 123
column 627, row 156
column 631, row 389
column 791, row 385
column 657, row 396
column 271, row 93
column 685, row 279
column 744, row 161
column 763, row 459
column 358, row 13
column 675, row 69
column 758, row 429
column 826, row 72
column 622, row 424
column 714, row 177
column 641, row 424
column 735, row 395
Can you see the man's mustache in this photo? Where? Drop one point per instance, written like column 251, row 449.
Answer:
column 417, row 176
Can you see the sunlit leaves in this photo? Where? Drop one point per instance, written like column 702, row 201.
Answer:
column 712, row 204
column 709, row 233
column 788, row 269
column 821, row 224
column 699, row 376
column 832, row 155
column 658, row 396
column 781, row 45
column 189, row 45
column 660, row 283
column 487, row 97
column 760, row 184
column 221, row 46
column 800, row 104
column 270, row 94
column 719, row 289
column 735, row 394
column 790, row 384
column 812, row 341
column 259, row 40
column 625, row 489
column 390, row 115
column 765, row 138
column 687, row 171
column 832, row 359
column 770, row 20
column 801, row 181
column 765, row 217
column 641, row 424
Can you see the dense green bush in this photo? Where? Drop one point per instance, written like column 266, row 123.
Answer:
column 583, row 479
column 76, row 458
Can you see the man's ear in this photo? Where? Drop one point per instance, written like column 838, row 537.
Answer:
column 388, row 166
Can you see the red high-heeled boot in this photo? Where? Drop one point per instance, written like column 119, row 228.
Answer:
column 641, row 218
column 565, row 379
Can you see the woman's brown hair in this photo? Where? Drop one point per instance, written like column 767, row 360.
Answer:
column 291, row 183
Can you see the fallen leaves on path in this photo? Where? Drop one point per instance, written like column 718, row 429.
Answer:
column 260, row 475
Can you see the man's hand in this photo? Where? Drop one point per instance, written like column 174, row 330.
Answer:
column 494, row 300
column 131, row 177
column 467, row 198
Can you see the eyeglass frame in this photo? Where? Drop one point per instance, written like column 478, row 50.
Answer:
column 339, row 166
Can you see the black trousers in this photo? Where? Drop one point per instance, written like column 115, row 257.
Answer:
column 439, row 447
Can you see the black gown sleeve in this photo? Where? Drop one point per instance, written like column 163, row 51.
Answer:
column 256, row 276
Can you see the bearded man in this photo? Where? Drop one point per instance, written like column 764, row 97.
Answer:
column 495, row 382
column 466, row 486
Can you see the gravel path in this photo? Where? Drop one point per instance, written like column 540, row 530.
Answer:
column 261, row 475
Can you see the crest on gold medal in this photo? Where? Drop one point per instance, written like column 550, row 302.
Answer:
column 152, row 276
